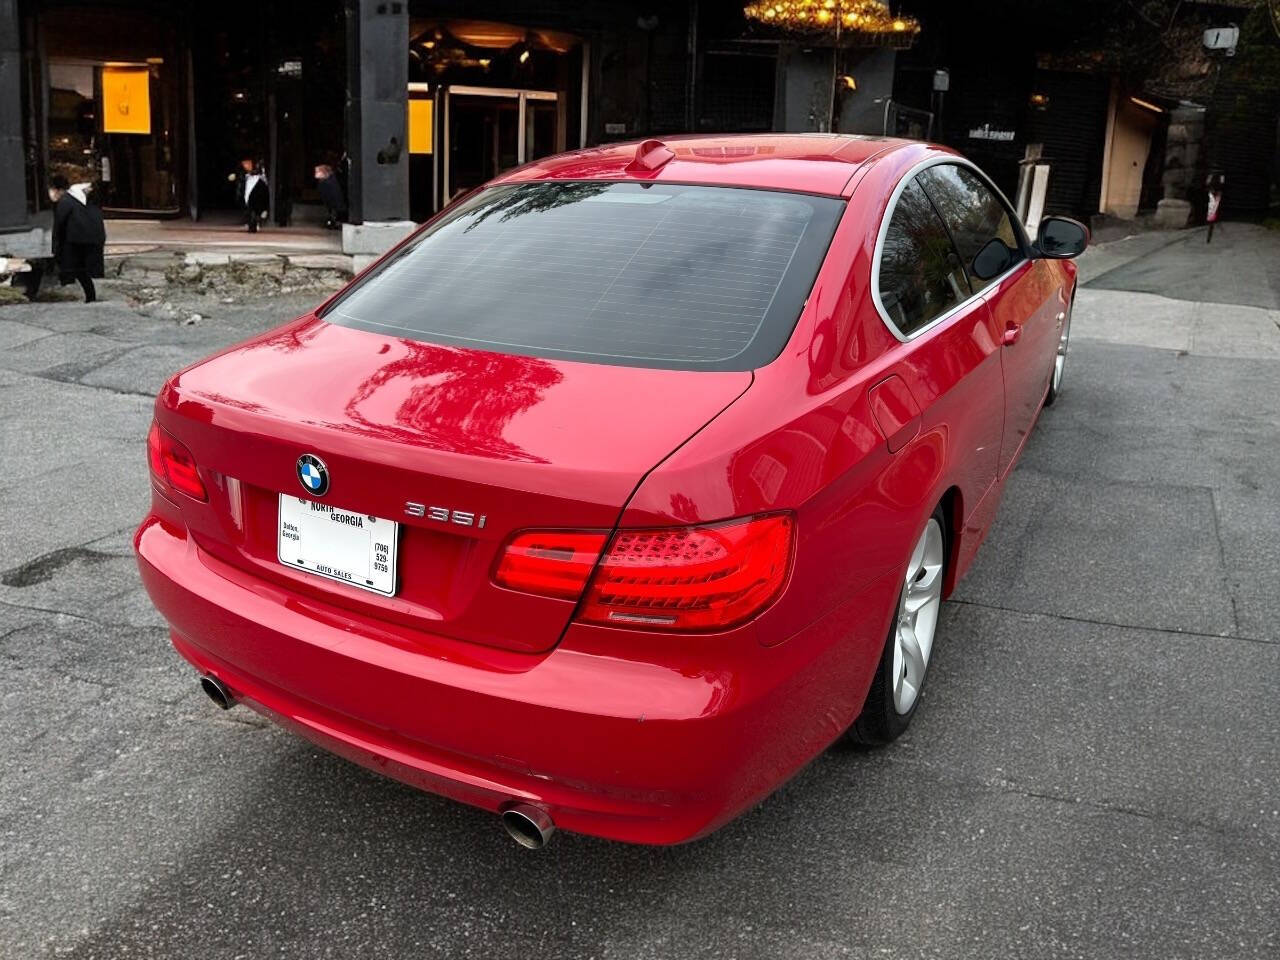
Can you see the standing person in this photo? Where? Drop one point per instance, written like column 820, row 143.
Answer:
column 331, row 193
column 252, row 193
column 1213, row 184
column 79, row 236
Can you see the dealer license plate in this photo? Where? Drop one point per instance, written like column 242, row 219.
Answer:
column 353, row 548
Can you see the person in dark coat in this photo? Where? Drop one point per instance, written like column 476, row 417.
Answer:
column 79, row 237
column 331, row 193
column 253, row 196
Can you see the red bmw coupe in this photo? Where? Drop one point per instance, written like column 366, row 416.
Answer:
column 622, row 488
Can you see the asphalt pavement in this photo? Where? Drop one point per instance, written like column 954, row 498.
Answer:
column 1094, row 771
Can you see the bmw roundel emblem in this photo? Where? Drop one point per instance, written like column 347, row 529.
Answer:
column 313, row 475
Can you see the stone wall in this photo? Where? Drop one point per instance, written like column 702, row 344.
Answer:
column 1183, row 166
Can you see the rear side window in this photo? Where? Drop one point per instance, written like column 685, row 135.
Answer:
column 655, row 275
column 974, row 215
column 920, row 274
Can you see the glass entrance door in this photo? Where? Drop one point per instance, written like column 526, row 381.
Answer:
column 543, row 133
column 484, row 140
column 110, row 124
column 489, row 130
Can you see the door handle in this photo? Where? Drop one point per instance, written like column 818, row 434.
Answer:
column 1012, row 332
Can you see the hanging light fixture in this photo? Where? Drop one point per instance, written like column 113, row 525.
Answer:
column 840, row 23
column 856, row 21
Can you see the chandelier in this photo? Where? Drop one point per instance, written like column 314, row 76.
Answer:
column 867, row 20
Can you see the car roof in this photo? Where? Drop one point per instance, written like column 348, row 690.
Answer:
column 821, row 163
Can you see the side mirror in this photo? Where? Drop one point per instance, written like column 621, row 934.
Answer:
column 992, row 260
column 1061, row 238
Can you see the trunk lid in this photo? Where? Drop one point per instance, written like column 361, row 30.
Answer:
column 521, row 441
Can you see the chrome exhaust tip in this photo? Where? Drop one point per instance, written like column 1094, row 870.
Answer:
column 528, row 825
column 217, row 691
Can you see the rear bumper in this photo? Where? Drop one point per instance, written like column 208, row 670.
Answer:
column 640, row 751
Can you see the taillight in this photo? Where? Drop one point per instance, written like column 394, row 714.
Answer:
column 172, row 464
column 554, row 563
column 691, row 578
column 154, row 458
column 703, row 578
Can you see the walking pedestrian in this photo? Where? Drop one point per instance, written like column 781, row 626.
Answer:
column 79, row 235
column 252, row 193
column 1213, row 184
column 335, row 200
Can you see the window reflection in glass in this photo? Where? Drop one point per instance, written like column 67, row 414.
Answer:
column 920, row 274
column 973, row 214
column 658, row 275
column 73, row 122
column 128, row 171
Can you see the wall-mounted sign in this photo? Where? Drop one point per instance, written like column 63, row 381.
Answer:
column 126, row 100
column 615, row 128
column 1222, row 38
column 986, row 132
column 420, row 125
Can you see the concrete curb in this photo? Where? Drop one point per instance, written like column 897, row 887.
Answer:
column 166, row 266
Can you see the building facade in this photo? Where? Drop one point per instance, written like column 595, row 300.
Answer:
column 413, row 101
column 417, row 101
column 1129, row 110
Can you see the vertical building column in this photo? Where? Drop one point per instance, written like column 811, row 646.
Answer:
column 377, row 101
column 13, row 186
column 1183, row 165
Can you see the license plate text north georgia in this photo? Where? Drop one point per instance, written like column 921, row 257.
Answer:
column 339, row 544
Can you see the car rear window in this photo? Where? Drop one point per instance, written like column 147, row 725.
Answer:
column 655, row 275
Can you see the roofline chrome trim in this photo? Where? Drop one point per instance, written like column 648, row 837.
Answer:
column 906, row 178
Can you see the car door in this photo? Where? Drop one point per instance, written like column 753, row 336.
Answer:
column 952, row 369
column 1018, row 290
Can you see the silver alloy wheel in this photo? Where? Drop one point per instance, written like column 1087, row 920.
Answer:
column 917, row 617
column 1060, row 361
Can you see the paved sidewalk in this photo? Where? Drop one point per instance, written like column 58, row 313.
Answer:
column 1241, row 265
column 1102, row 258
column 133, row 236
column 1192, row 327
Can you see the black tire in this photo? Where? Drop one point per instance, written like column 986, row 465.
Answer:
column 879, row 723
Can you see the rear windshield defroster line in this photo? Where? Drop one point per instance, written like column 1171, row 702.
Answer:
column 649, row 275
